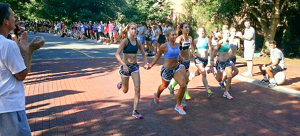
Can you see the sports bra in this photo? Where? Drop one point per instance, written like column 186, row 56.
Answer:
column 131, row 49
column 224, row 48
column 172, row 52
column 185, row 44
column 202, row 45
column 233, row 45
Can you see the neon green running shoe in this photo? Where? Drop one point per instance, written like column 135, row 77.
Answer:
column 171, row 90
column 187, row 96
column 209, row 93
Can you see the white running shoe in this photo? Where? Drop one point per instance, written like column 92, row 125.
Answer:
column 180, row 110
column 192, row 75
column 227, row 95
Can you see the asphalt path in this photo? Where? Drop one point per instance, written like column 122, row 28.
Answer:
column 57, row 48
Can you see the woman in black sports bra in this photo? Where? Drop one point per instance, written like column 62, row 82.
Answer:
column 184, row 42
column 129, row 66
column 161, row 38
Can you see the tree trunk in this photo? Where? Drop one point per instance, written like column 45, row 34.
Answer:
column 285, row 37
column 270, row 31
column 266, row 48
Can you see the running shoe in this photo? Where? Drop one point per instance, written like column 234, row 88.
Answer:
column 137, row 115
column 222, row 85
column 264, row 81
column 209, row 93
column 227, row 95
column 171, row 90
column 180, row 110
column 156, row 100
column 119, row 85
column 191, row 76
column 183, row 102
column 271, row 85
column 187, row 96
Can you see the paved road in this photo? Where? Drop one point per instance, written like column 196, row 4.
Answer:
column 65, row 48
column 74, row 94
column 57, row 48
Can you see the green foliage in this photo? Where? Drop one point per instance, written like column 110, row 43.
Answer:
column 143, row 10
column 91, row 10
column 201, row 13
column 265, row 20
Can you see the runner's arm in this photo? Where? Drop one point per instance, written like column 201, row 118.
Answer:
column 210, row 48
column 193, row 48
column 216, row 49
column 162, row 49
column 120, row 49
column 141, row 48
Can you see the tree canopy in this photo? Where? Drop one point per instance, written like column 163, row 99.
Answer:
column 91, row 10
column 272, row 19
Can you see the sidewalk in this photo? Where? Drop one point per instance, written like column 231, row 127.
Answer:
column 291, row 72
column 79, row 97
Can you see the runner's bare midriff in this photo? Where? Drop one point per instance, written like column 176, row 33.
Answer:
column 232, row 53
column 171, row 63
column 185, row 54
column 223, row 56
column 129, row 58
column 202, row 53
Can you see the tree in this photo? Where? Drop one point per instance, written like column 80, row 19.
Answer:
column 268, row 14
column 78, row 10
column 143, row 10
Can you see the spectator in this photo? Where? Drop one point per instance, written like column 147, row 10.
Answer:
column 249, row 47
column 275, row 64
column 13, row 70
column 110, row 29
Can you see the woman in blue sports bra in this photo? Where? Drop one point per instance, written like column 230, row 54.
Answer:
column 129, row 66
column 171, row 69
column 223, row 62
column 200, row 48
column 184, row 41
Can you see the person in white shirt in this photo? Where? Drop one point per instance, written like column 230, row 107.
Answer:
column 249, row 47
column 215, row 37
column 276, row 64
column 141, row 33
column 13, row 70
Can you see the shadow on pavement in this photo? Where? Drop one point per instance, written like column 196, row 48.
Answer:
column 252, row 112
column 63, row 69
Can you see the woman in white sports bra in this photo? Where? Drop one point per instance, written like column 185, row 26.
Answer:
column 200, row 48
column 184, row 41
